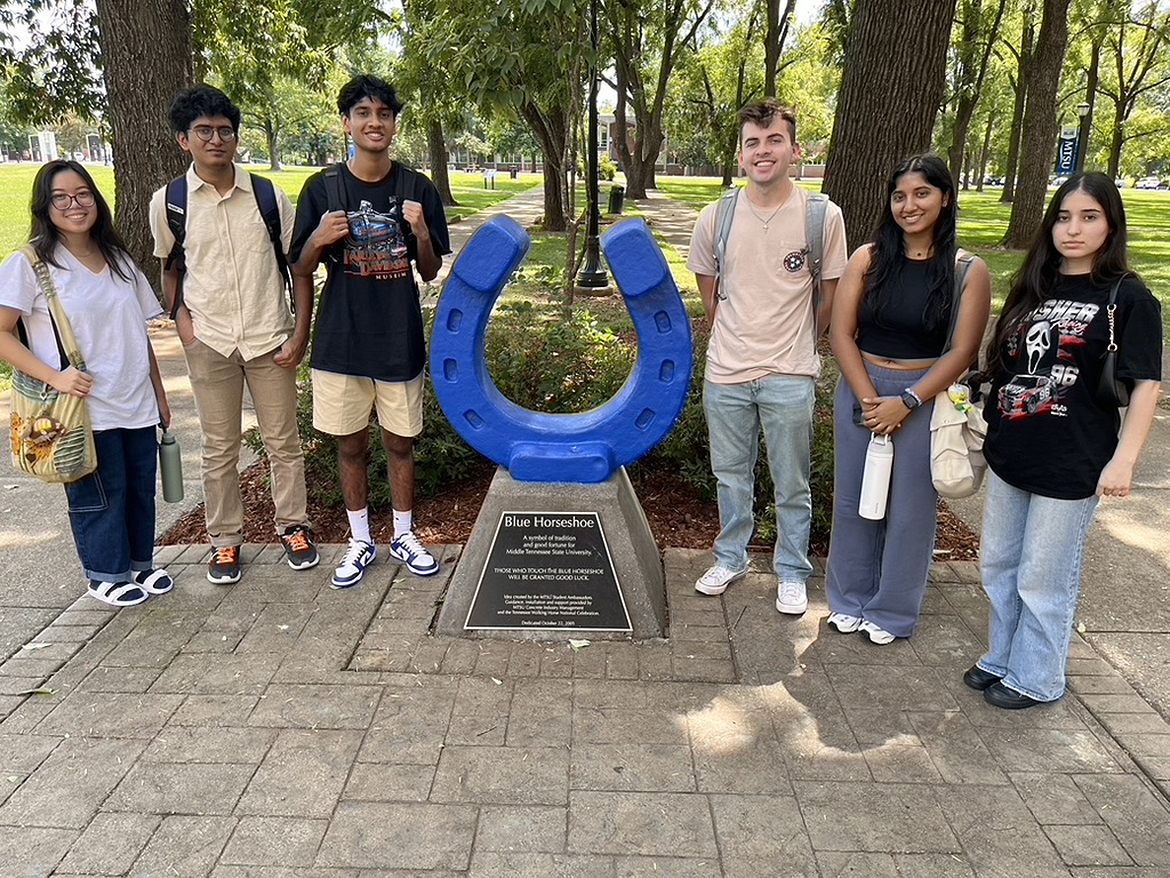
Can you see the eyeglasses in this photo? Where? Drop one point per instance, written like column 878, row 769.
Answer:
column 63, row 200
column 206, row 132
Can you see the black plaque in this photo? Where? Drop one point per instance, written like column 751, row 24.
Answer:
column 549, row 570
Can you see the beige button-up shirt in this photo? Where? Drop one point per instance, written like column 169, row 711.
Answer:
column 233, row 287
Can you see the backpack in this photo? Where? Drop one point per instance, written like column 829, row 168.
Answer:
column 814, row 234
column 176, row 204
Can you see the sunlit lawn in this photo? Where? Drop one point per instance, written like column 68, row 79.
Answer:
column 16, row 187
column 983, row 220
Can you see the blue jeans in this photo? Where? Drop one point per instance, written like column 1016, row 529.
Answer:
column 112, row 509
column 783, row 406
column 1031, row 559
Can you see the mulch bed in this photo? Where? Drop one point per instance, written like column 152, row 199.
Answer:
column 678, row 516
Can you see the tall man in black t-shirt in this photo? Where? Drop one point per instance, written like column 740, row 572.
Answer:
column 368, row 219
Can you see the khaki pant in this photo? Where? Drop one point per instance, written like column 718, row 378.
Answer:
column 218, row 385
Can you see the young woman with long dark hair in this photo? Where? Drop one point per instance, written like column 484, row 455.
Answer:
column 891, row 322
column 1054, row 445
column 107, row 301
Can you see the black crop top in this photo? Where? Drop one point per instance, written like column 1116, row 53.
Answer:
column 899, row 331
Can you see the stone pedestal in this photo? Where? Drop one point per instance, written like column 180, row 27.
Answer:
column 550, row 566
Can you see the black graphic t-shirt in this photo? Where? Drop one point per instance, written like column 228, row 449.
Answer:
column 369, row 321
column 1045, row 432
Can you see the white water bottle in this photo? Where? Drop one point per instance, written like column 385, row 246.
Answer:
column 875, row 481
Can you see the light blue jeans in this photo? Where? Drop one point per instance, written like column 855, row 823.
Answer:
column 783, row 406
column 1032, row 551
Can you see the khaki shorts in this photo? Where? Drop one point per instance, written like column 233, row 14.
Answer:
column 342, row 404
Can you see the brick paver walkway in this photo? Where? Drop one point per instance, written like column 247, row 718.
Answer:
column 280, row 728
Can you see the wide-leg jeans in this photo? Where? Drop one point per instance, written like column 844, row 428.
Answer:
column 111, row 510
column 1032, row 552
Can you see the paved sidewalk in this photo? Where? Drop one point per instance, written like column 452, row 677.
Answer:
column 280, row 729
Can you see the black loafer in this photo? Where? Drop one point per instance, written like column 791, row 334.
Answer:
column 1000, row 695
column 979, row 679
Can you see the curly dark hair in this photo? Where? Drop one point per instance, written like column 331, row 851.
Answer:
column 365, row 85
column 202, row 100
column 44, row 236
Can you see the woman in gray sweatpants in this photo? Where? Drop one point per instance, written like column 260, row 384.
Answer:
column 890, row 332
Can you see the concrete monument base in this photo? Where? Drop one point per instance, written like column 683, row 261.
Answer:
column 516, row 586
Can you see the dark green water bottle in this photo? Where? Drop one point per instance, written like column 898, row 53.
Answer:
column 170, row 466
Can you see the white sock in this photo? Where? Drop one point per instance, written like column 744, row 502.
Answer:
column 359, row 525
column 402, row 522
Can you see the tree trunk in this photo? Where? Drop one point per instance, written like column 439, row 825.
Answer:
column 145, row 152
column 550, row 130
column 437, row 149
column 775, row 33
column 1038, row 143
column 272, row 136
column 985, row 151
column 893, row 83
column 972, row 73
column 1116, row 142
column 1013, row 159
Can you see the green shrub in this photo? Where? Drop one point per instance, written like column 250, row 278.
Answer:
column 561, row 360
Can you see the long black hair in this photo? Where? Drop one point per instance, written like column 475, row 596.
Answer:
column 1037, row 277
column 889, row 245
column 44, row 236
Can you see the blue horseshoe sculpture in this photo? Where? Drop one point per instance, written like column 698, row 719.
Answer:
column 539, row 447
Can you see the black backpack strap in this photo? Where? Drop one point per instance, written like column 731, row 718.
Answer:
column 176, row 205
column 265, row 194
column 333, row 197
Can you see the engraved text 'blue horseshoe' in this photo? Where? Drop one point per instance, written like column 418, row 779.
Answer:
column 541, row 447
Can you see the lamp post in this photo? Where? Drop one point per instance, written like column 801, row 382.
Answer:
column 1084, row 108
column 592, row 276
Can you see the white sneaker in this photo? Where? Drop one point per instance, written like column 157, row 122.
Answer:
column 716, row 579
column 877, row 635
column 844, row 623
column 409, row 550
column 358, row 556
column 791, row 597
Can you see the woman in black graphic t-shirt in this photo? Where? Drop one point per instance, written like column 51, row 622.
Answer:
column 1054, row 450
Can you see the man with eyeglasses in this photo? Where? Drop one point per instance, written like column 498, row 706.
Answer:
column 224, row 281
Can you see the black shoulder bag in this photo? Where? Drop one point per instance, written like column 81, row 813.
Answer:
column 1111, row 391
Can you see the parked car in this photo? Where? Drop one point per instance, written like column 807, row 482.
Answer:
column 1148, row 183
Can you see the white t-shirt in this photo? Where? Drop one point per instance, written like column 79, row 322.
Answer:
column 765, row 325
column 108, row 316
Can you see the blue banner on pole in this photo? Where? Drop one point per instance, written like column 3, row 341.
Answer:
column 1066, row 151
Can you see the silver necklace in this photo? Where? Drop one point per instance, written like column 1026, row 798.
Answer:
column 752, row 208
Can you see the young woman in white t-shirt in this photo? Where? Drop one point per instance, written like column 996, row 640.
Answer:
column 108, row 302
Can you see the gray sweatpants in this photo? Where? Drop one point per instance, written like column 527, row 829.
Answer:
column 877, row 569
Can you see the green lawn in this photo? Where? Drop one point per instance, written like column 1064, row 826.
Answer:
column 983, row 221
column 16, row 187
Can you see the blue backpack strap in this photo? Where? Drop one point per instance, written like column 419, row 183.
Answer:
column 265, row 193
column 814, row 236
column 176, row 206
column 724, row 215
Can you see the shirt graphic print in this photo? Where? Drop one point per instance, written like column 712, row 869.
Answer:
column 1044, row 350
column 375, row 247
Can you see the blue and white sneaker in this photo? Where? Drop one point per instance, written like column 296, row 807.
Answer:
column 410, row 551
column 353, row 565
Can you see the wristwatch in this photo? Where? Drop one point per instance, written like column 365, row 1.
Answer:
column 911, row 399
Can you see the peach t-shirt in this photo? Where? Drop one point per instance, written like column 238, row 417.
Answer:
column 764, row 321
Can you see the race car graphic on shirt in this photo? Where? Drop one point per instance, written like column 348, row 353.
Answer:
column 1043, row 348
column 376, row 246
